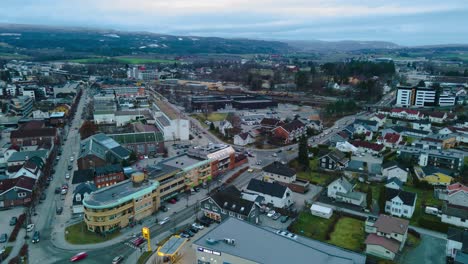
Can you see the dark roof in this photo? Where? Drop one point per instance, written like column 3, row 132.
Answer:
column 392, row 164
column 336, row 155
column 80, row 176
column 366, row 122
column 456, row 211
column 230, row 200
column 408, row 198
column 21, row 182
column 401, row 129
column 293, row 125
column 458, row 235
column 437, row 114
column 270, row 122
column 272, row 189
column 396, row 181
column 41, row 132
column 367, row 145
column 12, row 169
column 108, row 169
column 243, row 135
column 280, row 169
column 120, row 151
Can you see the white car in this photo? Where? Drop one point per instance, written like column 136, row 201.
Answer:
column 64, row 191
column 72, row 158
column 30, row 228
column 165, row 220
column 67, row 175
column 271, row 213
column 197, row 226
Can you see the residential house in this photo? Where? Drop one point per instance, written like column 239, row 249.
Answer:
column 368, row 147
column 108, row 175
column 394, row 183
column 321, row 211
column 341, row 136
column 455, row 215
column 277, row 172
column 333, row 160
column 400, row 203
column 437, row 117
column 368, row 124
column 343, row 191
column 243, row 139
column 380, row 119
column 346, row 147
column 81, row 192
column 20, row 157
column 394, row 169
column 224, row 127
column 421, row 124
column 33, row 132
column 408, row 114
column 406, row 131
column 83, row 176
column 457, row 194
column 228, row 202
column 457, row 242
column 16, row 191
column 270, row 123
column 390, row 140
column 290, row 131
column 273, row 193
column 435, row 177
column 316, row 125
column 99, row 150
column 387, row 236
column 30, row 169
column 452, row 129
column 446, row 141
column 365, row 163
column 428, row 143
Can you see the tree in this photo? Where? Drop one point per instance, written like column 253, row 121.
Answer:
column 382, row 198
column 301, row 79
column 303, row 156
column 421, row 83
column 212, row 126
column 88, row 129
column 369, row 197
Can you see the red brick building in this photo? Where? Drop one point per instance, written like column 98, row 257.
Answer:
column 33, row 132
column 108, row 175
column 290, row 131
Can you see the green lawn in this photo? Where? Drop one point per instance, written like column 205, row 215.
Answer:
column 424, row 198
column 123, row 60
column 312, row 226
column 318, row 178
column 213, row 117
column 349, row 233
column 78, row 234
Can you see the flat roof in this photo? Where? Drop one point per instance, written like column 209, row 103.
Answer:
column 171, row 246
column 258, row 245
column 166, row 109
column 182, row 161
column 118, row 193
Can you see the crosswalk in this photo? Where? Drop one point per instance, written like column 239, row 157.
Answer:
column 134, row 242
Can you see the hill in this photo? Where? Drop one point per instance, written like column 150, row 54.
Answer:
column 345, row 45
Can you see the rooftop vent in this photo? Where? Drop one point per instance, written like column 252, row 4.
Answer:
column 211, row 241
column 230, row 241
column 225, row 204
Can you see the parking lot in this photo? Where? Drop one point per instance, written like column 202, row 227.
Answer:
column 5, row 227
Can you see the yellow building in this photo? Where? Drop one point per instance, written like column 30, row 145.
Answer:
column 438, row 179
column 116, row 206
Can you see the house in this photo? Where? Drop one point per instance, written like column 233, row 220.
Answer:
column 342, row 191
column 346, row 147
column 406, row 131
column 333, row 160
column 108, row 175
column 99, row 150
column 380, row 119
column 437, row 117
column 83, row 176
column 30, row 169
column 341, row 136
column 452, row 129
column 321, row 211
column 273, row 193
column 394, row 169
column 387, row 236
column 450, row 158
column 33, row 132
column 290, row 131
column 394, row 183
column 408, row 114
column 227, row 203
column 368, row 147
column 455, row 215
column 277, row 172
column 243, row 139
column 16, row 191
column 390, row 140
column 456, row 194
column 400, row 203
column 438, row 178
column 421, row 124
column 428, row 143
column 20, row 157
column 81, row 192
column 316, row 125
column 368, row 124
column 270, row 123
column 224, row 126
column 457, row 241
column 365, row 163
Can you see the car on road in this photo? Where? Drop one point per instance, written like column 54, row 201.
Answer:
column 79, row 256
column 279, row 151
column 117, row 260
column 36, row 237
column 138, row 241
column 271, row 213
column 70, row 167
column 259, row 162
column 30, row 228
column 197, row 226
column 165, row 220
column 250, row 170
column 276, row 216
column 284, row 218
column 3, row 238
column 64, row 191
column 196, row 189
column 67, row 175
column 65, row 186
column 274, row 155
column 163, row 208
column 58, row 190
column 59, row 210
column 290, row 148
column 173, row 201
column 72, row 158
column 13, row 220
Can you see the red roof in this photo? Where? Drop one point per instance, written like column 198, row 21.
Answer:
column 22, row 182
column 437, row 114
column 293, row 125
column 408, row 111
column 41, row 132
column 392, row 137
column 367, row 145
column 380, row 116
column 456, row 187
column 32, row 125
column 387, row 243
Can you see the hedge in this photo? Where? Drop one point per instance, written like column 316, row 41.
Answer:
column 433, row 225
column 16, row 229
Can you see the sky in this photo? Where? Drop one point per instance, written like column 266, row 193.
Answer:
column 405, row 22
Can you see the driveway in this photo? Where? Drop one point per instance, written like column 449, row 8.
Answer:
column 431, row 250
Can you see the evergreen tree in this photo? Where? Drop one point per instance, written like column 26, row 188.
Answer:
column 303, row 156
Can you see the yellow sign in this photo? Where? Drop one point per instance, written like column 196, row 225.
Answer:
column 146, row 235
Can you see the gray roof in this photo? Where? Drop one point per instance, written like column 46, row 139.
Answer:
column 100, row 144
column 352, row 195
column 280, row 169
column 269, row 188
column 24, row 155
column 264, row 245
column 172, row 245
column 344, row 183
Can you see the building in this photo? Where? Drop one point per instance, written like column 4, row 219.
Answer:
column 380, row 119
column 422, row 124
column 417, row 96
column 333, row 160
column 170, row 123
column 368, row 124
column 394, row 183
column 243, row 139
column 321, row 211
column 270, row 123
column 404, row 96
column 239, row 102
column 81, row 192
column 99, row 150
column 227, row 203
column 450, row 158
column 437, row 117
column 273, row 193
column 20, row 157
column 277, row 172
column 33, row 136
column 236, row 241
column 21, row 106
column 407, row 114
column 425, row 97
column 400, row 203
column 364, row 164
column 447, row 99
column 457, row 243
column 108, row 175
column 394, row 169
column 145, row 140
column 124, row 117
column 387, row 236
column 290, row 132
column 456, row 194
column 368, row 147
column 16, row 191
column 390, row 140
column 455, row 215
column 115, row 207
column 342, row 190
column 222, row 157
column 124, row 91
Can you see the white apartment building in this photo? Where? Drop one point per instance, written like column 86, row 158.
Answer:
column 425, row 97
column 404, row 96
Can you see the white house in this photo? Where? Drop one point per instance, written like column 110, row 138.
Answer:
column 224, row 126
column 455, row 215
column 421, row 125
column 394, row 183
column 456, row 238
column 321, row 211
column 243, row 139
column 30, row 170
column 380, row 119
column 273, row 193
column 437, row 117
column 394, row 170
column 400, row 203
column 277, row 172
column 342, row 190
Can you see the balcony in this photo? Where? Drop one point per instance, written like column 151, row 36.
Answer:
column 108, row 212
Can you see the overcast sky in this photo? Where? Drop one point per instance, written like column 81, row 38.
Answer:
column 406, row 22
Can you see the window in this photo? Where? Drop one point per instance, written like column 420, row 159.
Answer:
column 207, row 206
column 21, row 194
column 232, row 214
column 215, row 209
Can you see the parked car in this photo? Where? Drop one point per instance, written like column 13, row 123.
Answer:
column 276, row 216
column 284, row 218
column 29, row 227
column 65, row 186
column 173, row 201
column 165, row 220
column 70, row 167
column 13, row 220
column 271, row 213
column 193, row 230
column 3, row 238
column 59, row 210
column 79, row 256
column 197, row 226
column 64, row 191
column 190, row 233
column 117, row 260
column 197, row 189
column 36, row 237
column 184, row 235
column 58, row 190
column 67, row 175
column 163, row 208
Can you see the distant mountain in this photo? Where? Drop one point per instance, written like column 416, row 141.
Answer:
column 345, row 45
column 74, row 40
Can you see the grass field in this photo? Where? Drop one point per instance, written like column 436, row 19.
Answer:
column 78, row 234
column 424, row 198
column 213, row 117
column 11, row 56
column 312, row 226
column 123, row 60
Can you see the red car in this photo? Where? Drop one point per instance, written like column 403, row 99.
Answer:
column 79, row 256
column 173, row 201
column 137, row 242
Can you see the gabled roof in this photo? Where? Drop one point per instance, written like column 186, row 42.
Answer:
column 392, row 137
column 20, row 182
column 336, row 155
column 80, row 176
column 459, row 235
column 293, row 125
column 230, row 199
column 100, row 144
column 85, row 187
column 408, row 198
column 40, row 132
column 455, row 211
column 457, row 187
column 280, row 169
column 389, row 224
column 273, row 122
column 344, row 183
column 437, row 114
column 272, row 189
column 366, row 122
column 389, row 244
column 396, row 181
column 244, row 135
column 392, row 164
column 25, row 155
column 367, row 145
